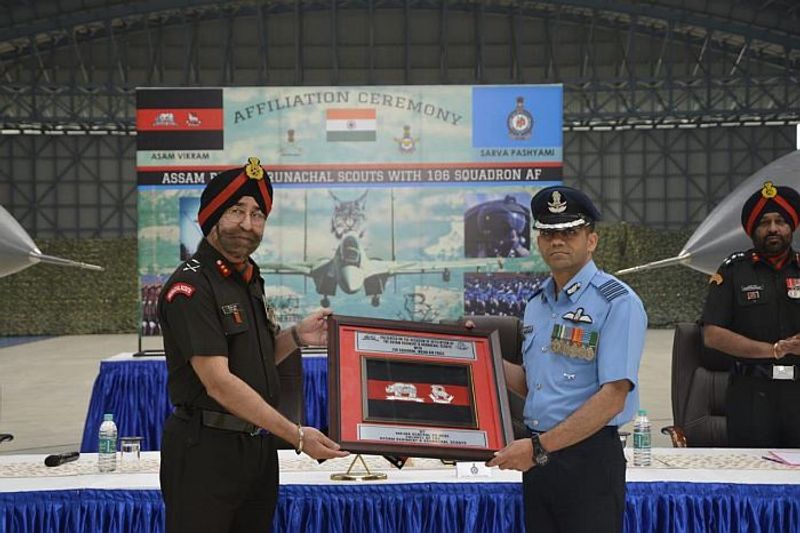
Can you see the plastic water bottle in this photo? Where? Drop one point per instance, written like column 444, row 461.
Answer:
column 642, row 454
column 107, row 448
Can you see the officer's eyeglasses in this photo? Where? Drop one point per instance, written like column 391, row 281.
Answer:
column 237, row 214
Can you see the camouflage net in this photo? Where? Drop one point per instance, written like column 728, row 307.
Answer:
column 50, row 300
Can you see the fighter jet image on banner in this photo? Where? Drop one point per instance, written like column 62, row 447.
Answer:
column 351, row 270
column 18, row 251
column 721, row 233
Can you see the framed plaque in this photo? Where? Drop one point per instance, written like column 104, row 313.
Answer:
column 416, row 389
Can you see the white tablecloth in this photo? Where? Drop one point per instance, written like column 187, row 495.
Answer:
column 304, row 471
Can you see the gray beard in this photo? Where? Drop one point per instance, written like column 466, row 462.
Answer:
column 235, row 247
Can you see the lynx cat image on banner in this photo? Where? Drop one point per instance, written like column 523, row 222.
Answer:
column 401, row 202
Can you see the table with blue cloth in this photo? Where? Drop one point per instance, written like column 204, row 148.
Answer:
column 691, row 490
column 134, row 390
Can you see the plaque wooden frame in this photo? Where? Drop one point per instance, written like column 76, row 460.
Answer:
column 398, row 346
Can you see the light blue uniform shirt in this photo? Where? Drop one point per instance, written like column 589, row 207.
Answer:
column 558, row 383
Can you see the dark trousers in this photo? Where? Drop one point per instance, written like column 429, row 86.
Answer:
column 582, row 488
column 217, row 481
column 763, row 413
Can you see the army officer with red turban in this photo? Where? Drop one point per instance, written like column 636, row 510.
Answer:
column 219, row 467
column 753, row 313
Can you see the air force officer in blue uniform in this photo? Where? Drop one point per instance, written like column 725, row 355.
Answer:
column 584, row 332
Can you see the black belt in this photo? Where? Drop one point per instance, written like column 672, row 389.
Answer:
column 767, row 371
column 217, row 420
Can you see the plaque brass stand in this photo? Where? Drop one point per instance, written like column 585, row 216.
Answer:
column 367, row 475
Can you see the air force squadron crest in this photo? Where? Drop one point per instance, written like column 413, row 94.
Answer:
column 520, row 122
column 407, row 144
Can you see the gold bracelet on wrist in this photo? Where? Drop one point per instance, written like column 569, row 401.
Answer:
column 301, row 434
column 775, row 351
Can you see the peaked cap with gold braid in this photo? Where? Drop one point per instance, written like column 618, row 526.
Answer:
column 771, row 199
column 226, row 188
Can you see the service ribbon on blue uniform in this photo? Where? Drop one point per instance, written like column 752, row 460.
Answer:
column 574, row 341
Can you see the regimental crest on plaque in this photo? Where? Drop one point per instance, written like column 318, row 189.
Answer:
column 405, row 392
column 520, row 122
column 440, row 395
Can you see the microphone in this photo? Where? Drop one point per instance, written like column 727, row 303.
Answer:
column 59, row 459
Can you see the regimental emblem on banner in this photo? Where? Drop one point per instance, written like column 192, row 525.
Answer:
column 165, row 119
column 290, row 147
column 793, row 288
column 520, row 122
column 193, row 120
column 407, row 144
column 405, row 392
column 179, row 119
column 574, row 342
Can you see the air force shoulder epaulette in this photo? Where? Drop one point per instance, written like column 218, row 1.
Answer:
column 612, row 289
column 536, row 292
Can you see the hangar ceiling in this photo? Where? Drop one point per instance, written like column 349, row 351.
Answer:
column 668, row 104
column 74, row 64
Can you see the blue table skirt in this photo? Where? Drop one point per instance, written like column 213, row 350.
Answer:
column 136, row 393
column 424, row 507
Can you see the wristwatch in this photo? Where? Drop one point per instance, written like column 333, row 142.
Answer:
column 540, row 455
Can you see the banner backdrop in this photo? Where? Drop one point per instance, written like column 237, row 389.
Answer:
column 402, row 202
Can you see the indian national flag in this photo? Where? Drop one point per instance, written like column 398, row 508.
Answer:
column 350, row 124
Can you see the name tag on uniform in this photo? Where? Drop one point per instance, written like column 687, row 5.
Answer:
column 233, row 311
column 752, row 293
column 783, row 372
